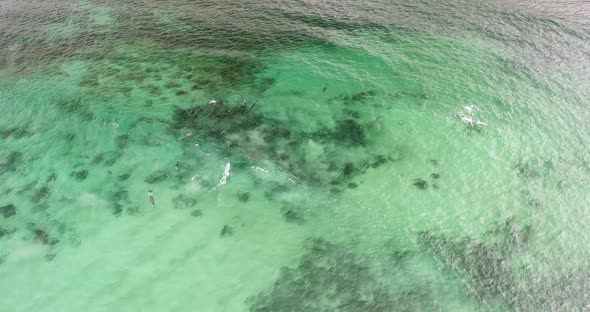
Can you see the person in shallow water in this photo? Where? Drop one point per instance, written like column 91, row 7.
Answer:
column 151, row 195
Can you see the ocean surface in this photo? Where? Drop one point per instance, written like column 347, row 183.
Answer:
column 294, row 155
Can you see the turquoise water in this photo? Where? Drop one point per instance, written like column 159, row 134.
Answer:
column 332, row 173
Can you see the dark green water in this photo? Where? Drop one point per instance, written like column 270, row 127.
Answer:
column 332, row 174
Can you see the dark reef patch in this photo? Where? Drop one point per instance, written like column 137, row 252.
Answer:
column 359, row 97
column 420, row 184
column 124, row 176
column 120, row 200
column 243, row 196
column 89, row 81
column 5, row 232
column 242, row 129
column 40, row 193
column 349, row 132
column 293, row 214
column 10, row 162
column 99, row 158
column 172, row 84
column 157, row 176
column 49, row 257
column 80, row 175
column 123, row 141
column 70, row 137
column 227, row 231
column 14, row 132
column 484, row 265
column 76, row 106
column 183, row 202
column 409, row 94
column 8, row 211
column 51, row 178
column 432, row 161
column 42, row 236
column 330, row 277
column 348, row 169
column 526, row 171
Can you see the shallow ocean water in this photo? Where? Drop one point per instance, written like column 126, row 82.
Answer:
column 353, row 185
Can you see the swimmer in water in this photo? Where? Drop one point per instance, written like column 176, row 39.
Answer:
column 212, row 102
column 186, row 135
column 151, row 195
column 325, row 88
column 176, row 166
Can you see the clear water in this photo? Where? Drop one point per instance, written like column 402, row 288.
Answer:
column 353, row 185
